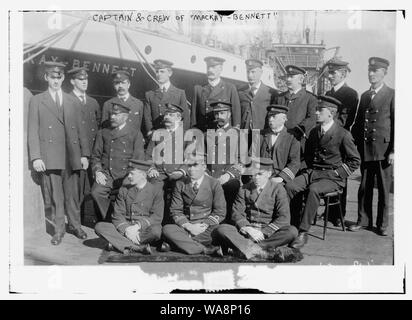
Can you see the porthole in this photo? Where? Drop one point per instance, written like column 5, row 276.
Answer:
column 148, row 49
column 193, row 59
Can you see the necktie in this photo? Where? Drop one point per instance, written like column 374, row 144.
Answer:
column 260, row 190
column 252, row 91
column 163, row 90
column 83, row 99
column 373, row 93
column 195, row 187
column 322, row 132
column 332, row 91
column 57, row 101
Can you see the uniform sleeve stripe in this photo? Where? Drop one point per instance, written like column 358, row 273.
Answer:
column 273, row 226
column 230, row 173
column 214, row 219
column 289, row 173
column 121, row 224
column 346, row 168
column 147, row 220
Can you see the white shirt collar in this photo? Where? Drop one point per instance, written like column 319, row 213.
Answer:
column 262, row 187
column 79, row 94
column 214, row 83
column 198, row 181
column 279, row 130
column 121, row 126
column 141, row 187
column 295, row 92
column 165, row 85
column 53, row 95
column 127, row 95
column 257, row 86
column 327, row 126
column 338, row 86
column 378, row 88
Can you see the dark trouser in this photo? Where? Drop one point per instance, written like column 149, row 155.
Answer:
column 101, row 194
column 85, row 183
column 228, row 235
column 167, row 187
column 230, row 189
column 317, row 184
column 382, row 171
column 108, row 231
column 181, row 239
column 61, row 188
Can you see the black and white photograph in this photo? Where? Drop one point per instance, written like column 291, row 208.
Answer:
column 168, row 150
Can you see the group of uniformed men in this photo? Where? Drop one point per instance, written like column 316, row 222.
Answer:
column 212, row 202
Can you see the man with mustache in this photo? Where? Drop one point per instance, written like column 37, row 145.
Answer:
column 121, row 84
column 138, row 213
column 374, row 132
column 113, row 149
column 156, row 100
column 216, row 90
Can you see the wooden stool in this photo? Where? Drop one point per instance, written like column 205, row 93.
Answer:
column 332, row 199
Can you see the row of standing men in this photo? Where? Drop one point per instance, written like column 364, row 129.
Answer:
column 62, row 164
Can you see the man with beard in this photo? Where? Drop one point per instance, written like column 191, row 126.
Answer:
column 198, row 206
column 374, row 132
column 121, row 83
column 58, row 149
column 255, row 97
column 113, row 149
column 90, row 119
column 216, row 90
column 156, row 100
column 138, row 213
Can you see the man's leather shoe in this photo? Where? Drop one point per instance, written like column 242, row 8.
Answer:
column 57, row 239
column 300, row 240
column 355, row 227
column 213, row 251
column 142, row 248
column 164, row 247
column 79, row 233
column 337, row 223
column 286, row 254
column 382, row 232
column 109, row 247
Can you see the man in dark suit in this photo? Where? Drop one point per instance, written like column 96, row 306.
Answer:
column 337, row 73
column 156, row 100
column 138, row 213
column 216, row 90
column 331, row 156
column 90, row 119
column 58, row 148
column 262, row 219
column 374, row 136
column 198, row 206
column 113, row 149
column 255, row 97
column 278, row 144
column 301, row 104
column 121, row 83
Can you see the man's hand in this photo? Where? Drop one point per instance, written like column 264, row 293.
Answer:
column 391, row 158
column 224, row 178
column 132, row 233
column 39, row 165
column 101, row 178
column 84, row 162
column 253, row 233
column 277, row 179
column 153, row 173
column 176, row 175
column 195, row 228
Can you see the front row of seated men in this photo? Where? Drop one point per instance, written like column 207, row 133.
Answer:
column 259, row 224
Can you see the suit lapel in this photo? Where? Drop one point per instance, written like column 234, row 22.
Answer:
column 328, row 134
column 51, row 105
column 189, row 191
column 253, row 193
column 217, row 90
column 376, row 101
column 120, row 133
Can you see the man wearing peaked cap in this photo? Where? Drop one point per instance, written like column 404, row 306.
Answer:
column 138, row 213
column 278, row 144
column 157, row 99
column 59, row 150
column 90, row 119
column 216, row 90
column 121, row 84
column 261, row 219
column 254, row 97
column 337, row 71
column 114, row 147
column 301, row 104
column 331, row 157
column 374, row 136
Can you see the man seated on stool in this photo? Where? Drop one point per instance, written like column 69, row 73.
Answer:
column 197, row 207
column 331, row 156
column 262, row 219
column 138, row 213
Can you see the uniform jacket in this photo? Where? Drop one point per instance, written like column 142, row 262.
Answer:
column 155, row 106
column 334, row 151
column 302, row 111
column 349, row 99
column 114, row 148
column 135, row 114
column 285, row 153
column 208, row 205
column 132, row 205
column 253, row 108
column 202, row 115
column 374, row 126
column 229, row 153
column 90, row 117
column 56, row 133
column 174, row 163
column 270, row 208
